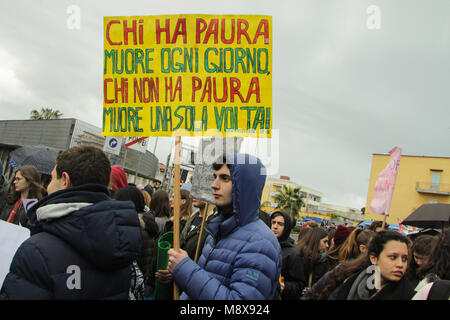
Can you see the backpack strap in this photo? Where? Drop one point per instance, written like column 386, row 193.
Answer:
column 440, row 290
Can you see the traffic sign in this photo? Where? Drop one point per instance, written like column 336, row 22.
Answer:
column 137, row 143
column 112, row 145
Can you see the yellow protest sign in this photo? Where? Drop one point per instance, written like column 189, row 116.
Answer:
column 187, row 75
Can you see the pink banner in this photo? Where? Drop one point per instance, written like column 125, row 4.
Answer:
column 384, row 188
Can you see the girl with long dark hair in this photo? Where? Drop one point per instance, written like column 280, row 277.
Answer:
column 377, row 275
column 160, row 208
column 355, row 245
column 312, row 247
column 26, row 185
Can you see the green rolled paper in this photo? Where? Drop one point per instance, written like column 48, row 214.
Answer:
column 165, row 242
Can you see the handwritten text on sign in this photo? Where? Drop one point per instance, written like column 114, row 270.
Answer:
column 189, row 75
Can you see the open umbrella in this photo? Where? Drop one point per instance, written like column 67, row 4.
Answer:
column 42, row 157
column 430, row 215
column 366, row 224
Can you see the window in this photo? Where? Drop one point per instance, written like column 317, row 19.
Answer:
column 435, row 177
column 432, row 201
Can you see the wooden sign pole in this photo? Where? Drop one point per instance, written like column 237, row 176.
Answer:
column 384, row 223
column 176, row 206
column 205, row 213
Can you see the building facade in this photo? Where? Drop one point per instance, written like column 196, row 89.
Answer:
column 341, row 213
column 420, row 180
column 313, row 206
column 66, row 133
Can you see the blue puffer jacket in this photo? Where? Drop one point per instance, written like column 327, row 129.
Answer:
column 241, row 258
column 82, row 247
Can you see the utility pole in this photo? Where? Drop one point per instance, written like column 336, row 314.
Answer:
column 124, row 158
column 167, row 168
column 165, row 171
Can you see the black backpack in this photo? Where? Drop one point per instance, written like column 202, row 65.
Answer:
column 440, row 290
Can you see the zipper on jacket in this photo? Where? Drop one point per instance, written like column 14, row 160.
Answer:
column 211, row 251
column 216, row 240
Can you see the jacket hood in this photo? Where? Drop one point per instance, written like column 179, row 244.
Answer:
column 288, row 224
column 248, row 176
column 106, row 232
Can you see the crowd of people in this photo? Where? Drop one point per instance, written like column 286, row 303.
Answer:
column 88, row 217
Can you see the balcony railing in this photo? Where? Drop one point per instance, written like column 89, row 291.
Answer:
column 427, row 187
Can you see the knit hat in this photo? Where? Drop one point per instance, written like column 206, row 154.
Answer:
column 341, row 234
column 118, row 178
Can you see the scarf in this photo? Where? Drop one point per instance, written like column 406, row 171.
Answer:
column 13, row 212
column 359, row 289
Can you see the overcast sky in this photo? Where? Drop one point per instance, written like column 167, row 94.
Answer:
column 341, row 90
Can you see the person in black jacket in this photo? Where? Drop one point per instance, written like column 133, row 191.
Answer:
column 337, row 242
column 192, row 229
column 152, row 188
column 147, row 259
column 292, row 275
column 82, row 243
column 313, row 250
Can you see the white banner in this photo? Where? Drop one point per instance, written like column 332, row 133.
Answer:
column 11, row 237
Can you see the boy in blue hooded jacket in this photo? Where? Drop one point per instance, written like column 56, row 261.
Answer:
column 241, row 258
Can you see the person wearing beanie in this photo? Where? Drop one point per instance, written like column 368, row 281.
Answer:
column 292, row 279
column 339, row 237
column 341, row 234
column 117, row 180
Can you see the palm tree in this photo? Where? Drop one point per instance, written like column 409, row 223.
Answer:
column 45, row 114
column 290, row 200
